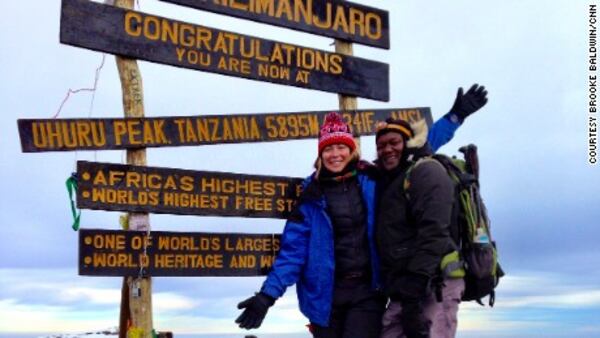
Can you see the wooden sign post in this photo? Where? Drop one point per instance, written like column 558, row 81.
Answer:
column 136, row 302
column 346, row 102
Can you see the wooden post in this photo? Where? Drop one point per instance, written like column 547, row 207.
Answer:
column 136, row 302
column 346, row 102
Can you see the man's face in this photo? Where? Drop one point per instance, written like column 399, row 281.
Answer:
column 389, row 150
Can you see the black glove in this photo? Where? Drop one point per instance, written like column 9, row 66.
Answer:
column 256, row 308
column 467, row 104
column 413, row 320
column 410, row 287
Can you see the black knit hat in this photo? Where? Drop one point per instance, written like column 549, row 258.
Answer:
column 398, row 126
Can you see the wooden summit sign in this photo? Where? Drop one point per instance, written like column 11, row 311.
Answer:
column 89, row 134
column 337, row 19
column 134, row 253
column 120, row 187
column 152, row 38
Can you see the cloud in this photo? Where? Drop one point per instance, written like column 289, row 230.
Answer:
column 18, row 317
column 91, row 295
column 171, row 301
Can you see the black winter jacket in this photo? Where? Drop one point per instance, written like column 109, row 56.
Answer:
column 413, row 225
column 347, row 212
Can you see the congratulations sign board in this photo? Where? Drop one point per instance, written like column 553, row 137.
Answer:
column 148, row 37
column 118, row 187
column 134, row 253
column 337, row 19
column 89, row 134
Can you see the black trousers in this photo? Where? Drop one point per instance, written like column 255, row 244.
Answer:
column 356, row 313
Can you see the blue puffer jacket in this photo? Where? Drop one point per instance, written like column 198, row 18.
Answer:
column 441, row 132
column 306, row 254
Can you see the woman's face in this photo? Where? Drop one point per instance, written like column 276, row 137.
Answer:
column 335, row 157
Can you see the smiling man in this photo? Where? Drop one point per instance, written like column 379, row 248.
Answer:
column 412, row 237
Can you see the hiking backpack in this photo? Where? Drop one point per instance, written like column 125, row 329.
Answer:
column 476, row 258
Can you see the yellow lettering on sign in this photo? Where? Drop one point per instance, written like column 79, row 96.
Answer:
column 326, row 24
column 113, row 260
column 266, row 261
column 100, row 179
column 237, row 5
column 373, row 26
column 109, row 241
column 357, row 19
column 170, row 183
column 284, row 8
column 39, row 135
column 169, row 32
column 277, row 54
column 193, row 57
column 132, row 23
column 264, row 6
column 221, row 44
column 152, row 27
column 179, row 261
column 133, row 131
column 256, row 244
column 186, row 183
column 335, row 62
column 227, row 245
column 120, row 129
column 69, row 134
column 303, row 10
column 190, row 41
column 124, row 197
column 409, row 115
column 115, row 176
column 285, row 204
column 199, row 201
column 227, row 135
column 340, row 20
column 274, row 71
column 297, row 125
column 253, row 203
column 302, row 76
column 139, row 242
column 242, row 261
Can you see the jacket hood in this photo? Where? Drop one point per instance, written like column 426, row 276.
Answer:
column 420, row 129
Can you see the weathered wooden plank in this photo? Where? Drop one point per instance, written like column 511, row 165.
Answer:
column 341, row 20
column 152, row 38
column 39, row 135
column 119, row 187
column 184, row 254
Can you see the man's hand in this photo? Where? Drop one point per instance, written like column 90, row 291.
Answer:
column 413, row 320
column 410, row 286
column 472, row 101
column 256, row 308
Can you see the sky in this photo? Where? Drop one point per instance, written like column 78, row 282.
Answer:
column 541, row 192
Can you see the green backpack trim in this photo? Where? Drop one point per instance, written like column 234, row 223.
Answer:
column 474, row 236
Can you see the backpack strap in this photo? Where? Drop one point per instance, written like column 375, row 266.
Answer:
column 420, row 161
column 452, row 265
